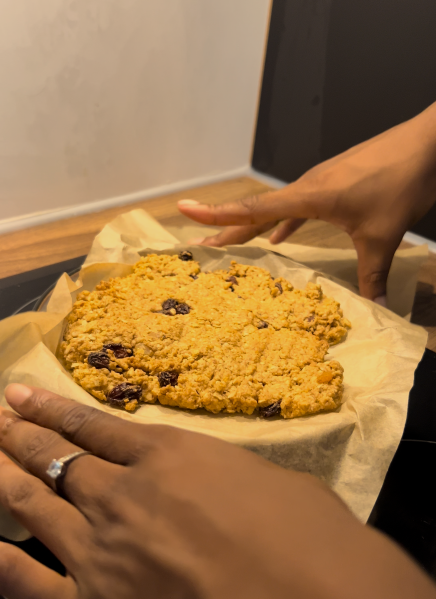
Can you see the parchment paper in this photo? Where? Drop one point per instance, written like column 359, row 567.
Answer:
column 349, row 449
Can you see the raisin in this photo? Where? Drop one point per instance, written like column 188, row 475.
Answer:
column 186, row 256
column 194, row 277
column 232, row 280
column 271, row 410
column 169, row 377
column 279, row 287
column 98, row 359
column 119, row 350
column 182, row 309
column 310, row 318
column 124, row 391
column 169, row 304
column 262, row 325
column 172, row 304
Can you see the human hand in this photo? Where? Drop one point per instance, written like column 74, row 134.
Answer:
column 161, row 513
column 375, row 192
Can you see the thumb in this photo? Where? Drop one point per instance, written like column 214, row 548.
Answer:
column 290, row 202
column 374, row 262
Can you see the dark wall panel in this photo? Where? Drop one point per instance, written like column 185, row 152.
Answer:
column 380, row 68
column 338, row 72
column 288, row 136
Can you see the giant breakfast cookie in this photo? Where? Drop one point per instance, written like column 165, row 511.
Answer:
column 227, row 341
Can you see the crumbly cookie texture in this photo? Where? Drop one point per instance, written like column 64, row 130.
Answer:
column 230, row 341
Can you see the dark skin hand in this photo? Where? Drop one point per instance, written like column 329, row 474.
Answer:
column 375, row 192
column 159, row 512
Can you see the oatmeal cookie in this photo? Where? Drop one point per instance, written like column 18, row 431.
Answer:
column 230, row 341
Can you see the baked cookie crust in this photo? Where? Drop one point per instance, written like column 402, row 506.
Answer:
column 229, row 341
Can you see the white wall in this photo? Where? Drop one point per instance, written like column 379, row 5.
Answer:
column 100, row 98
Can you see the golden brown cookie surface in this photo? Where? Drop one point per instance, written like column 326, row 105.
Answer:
column 232, row 341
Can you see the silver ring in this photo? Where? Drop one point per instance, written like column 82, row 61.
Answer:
column 58, row 469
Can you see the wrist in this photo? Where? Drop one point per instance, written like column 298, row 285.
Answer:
column 425, row 131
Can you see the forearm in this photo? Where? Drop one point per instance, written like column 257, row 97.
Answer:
column 419, row 133
column 426, row 121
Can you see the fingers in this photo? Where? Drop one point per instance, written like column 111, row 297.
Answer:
column 374, row 262
column 292, row 201
column 22, row 577
column 285, row 229
column 234, row 235
column 55, row 522
column 104, row 435
column 34, row 447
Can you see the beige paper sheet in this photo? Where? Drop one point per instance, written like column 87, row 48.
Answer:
column 350, row 449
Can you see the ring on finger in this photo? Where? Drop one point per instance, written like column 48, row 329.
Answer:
column 57, row 470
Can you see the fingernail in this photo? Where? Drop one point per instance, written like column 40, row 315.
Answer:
column 188, row 203
column 196, row 241
column 381, row 301
column 16, row 394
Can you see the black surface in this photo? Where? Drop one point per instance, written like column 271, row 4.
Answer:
column 406, row 507
column 20, row 293
column 421, row 417
column 338, row 72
